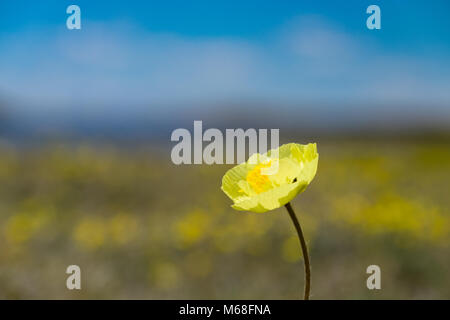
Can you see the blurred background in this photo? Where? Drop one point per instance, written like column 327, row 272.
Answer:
column 86, row 176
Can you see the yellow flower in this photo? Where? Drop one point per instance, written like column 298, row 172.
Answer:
column 269, row 181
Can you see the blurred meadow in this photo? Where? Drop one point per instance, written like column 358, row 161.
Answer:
column 141, row 227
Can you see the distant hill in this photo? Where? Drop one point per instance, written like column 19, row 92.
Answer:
column 156, row 123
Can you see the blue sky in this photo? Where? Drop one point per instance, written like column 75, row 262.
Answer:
column 135, row 56
column 413, row 23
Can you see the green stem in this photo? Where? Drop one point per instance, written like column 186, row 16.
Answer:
column 304, row 249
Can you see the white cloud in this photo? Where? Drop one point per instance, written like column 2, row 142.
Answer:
column 121, row 66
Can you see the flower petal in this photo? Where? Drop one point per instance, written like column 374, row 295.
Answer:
column 231, row 179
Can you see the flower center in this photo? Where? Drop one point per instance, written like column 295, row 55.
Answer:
column 259, row 182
